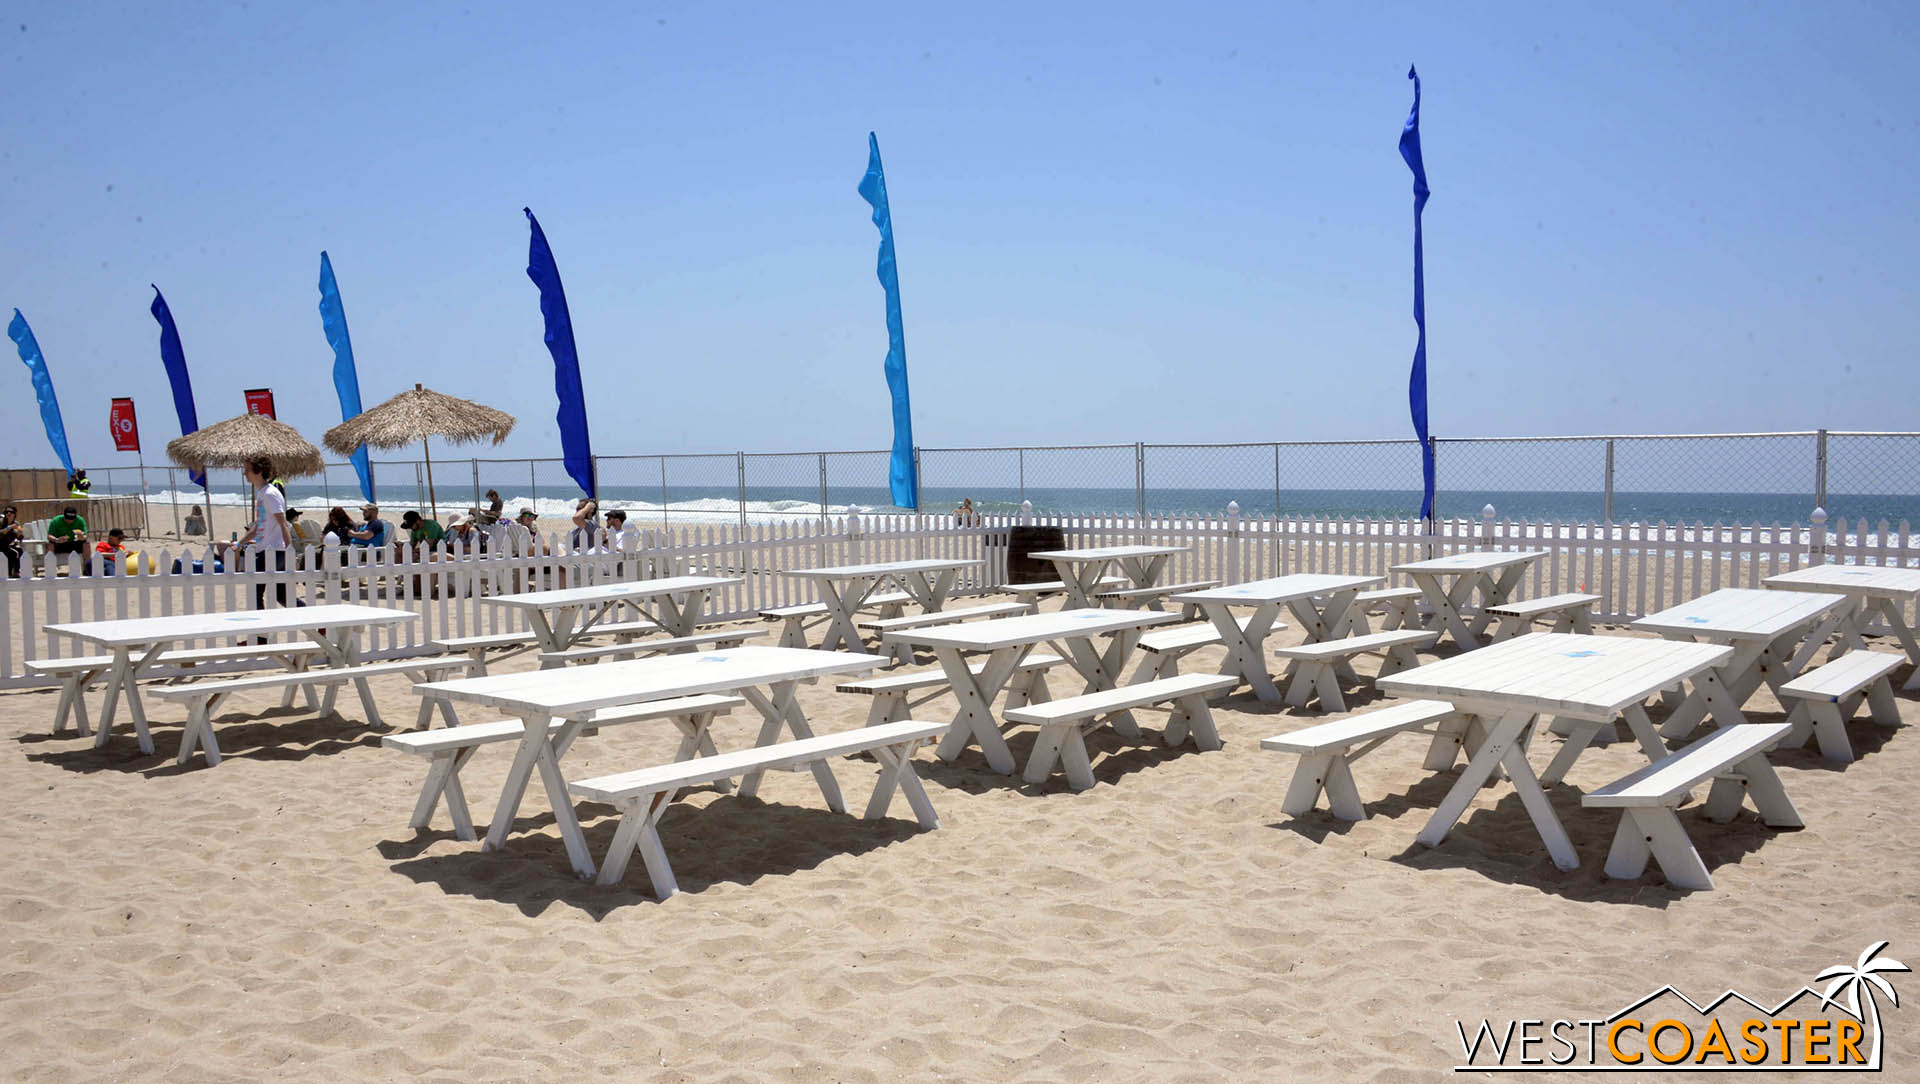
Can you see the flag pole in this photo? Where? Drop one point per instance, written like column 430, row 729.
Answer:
column 140, row 457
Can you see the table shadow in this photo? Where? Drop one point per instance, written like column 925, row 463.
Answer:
column 284, row 734
column 731, row 840
column 1113, row 758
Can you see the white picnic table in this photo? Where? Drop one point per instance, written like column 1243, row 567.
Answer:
column 1870, row 590
column 1762, row 627
column 765, row 677
column 845, row 588
column 1319, row 601
column 1502, row 690
column 1006, row 642
column 137, row 642
column 1492, row 573
column 1081, row 570
column 674, row 603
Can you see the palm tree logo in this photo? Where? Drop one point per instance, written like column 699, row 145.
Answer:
column 1858, row 982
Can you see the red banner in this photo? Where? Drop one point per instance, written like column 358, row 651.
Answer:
column 126, row 431
column 260, row 401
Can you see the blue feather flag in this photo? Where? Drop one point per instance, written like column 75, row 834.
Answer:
column 175, row 359
column 1417, row 383
column 36, row 363
column 346, row 378
column 901, row 476
column 576, row 447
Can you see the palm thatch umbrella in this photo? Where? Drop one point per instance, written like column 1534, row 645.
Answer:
column 413, row 416
column 233, row 442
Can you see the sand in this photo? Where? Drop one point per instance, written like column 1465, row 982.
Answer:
column 274, row 919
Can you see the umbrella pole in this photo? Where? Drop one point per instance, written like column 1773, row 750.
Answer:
column 433, row 504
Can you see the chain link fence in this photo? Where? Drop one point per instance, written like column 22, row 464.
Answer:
column 1747, row 478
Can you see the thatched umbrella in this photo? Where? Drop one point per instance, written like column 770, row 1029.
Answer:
column 232, row 442
column 413, row 416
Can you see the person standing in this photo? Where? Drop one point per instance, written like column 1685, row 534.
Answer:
column 12, row 540
column 270, row 533
column 79, row 485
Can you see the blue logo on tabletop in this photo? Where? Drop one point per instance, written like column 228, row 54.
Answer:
column 1698, row 620
column 1581, row 654
column 248, row 617
column 714, row 658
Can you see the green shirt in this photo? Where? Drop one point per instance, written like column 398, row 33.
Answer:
column 426, row 530
column 61, row 527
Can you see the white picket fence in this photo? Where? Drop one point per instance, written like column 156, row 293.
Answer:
column 1635, row 568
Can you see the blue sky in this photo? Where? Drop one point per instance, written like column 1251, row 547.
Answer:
column 1115, row 222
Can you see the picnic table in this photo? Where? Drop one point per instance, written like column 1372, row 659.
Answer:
column 1502, row 690
column 1493, row 574
column 845, row 588
column 136, row 643
column 765, row 677
column 674, row 603
column 1321, row 602
column 1762, row 627
column 1081, row 570
column 1006, row 642
column 1870, row 590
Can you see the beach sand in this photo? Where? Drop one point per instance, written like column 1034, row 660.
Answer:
column 274, row 919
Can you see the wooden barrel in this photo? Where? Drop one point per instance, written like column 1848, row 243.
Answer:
column 1022, row 541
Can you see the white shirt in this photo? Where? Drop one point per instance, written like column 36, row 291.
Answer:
column 273, row 508
column 627, row 538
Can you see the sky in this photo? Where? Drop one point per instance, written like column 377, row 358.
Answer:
column 1115, row 222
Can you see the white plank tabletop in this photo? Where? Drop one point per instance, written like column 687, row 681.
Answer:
column 1032, row 628
column 153, row 630
column 1873, row 581
column 1591, row 677
column 885, row 568
column 1472, row 561
column 1280, row 589
column 611, row 592
column 1742, row 613
column 1108, row 553
column 571, row 692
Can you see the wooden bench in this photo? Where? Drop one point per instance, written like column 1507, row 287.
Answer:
column 892, row 695
column 80, row 672
column 1327, row 753
column 1063, row 723
column 1030, row 593
column 632, row 648
column 1168, row 646
column 1735, row 759
column 1317, row 668
column 903, row 653
column 1571, row 612
column 1824, row 699
column 448, row 749
column 1399, row 608
column 202, row 698
column 1153, row 597
column 796, row 620
column 643, row 797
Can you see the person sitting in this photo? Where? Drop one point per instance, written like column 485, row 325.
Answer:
column 373, row 531
column 964, row 514
column 339, row 530
column 621, row 535
column 196, row 521
column 67, row 532
column 111, row 549
column 306, row 532
column 585, row 536
column 421, row 531
column 78, row 484
column 464, row 534
column 495, row 505
column 12, row 540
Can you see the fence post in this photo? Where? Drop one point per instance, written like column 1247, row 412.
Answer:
column 740, row 466
column 823, row 490
column 1276, row 481
column 1486, row 527
column 852, row 556
column 1233, row 541
column 1820, row 471
column 476, row 485
column 1817, row 554
column 1607, row 514
column 1023, row 477
column 663, row 491
column 173, row 498
column 533, row 485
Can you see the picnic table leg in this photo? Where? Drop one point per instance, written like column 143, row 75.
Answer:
column 443, row 781
column 841, row 601
column 781, row 710
column 1446, row 615
column 550, row 637
column 1502, row 736
column 696, row 740
column 1494, row 592
column 678, row 617
column 534, row 747
column 1078, row 579
column 974, row 722
column 1339, row 613
column 1244, row 658
column 1101, row 669
column 896, row 773
column 639, row 831
column 1694, row 707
